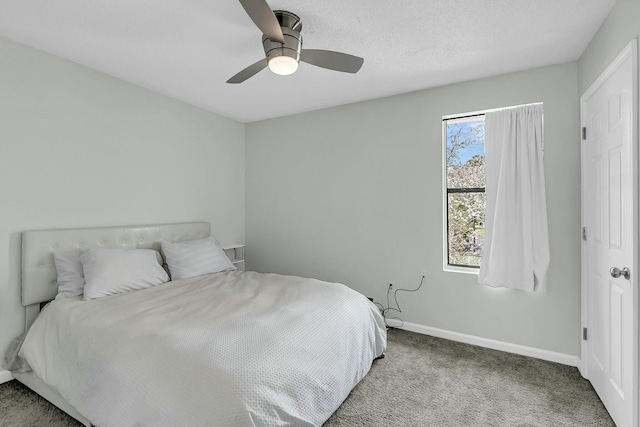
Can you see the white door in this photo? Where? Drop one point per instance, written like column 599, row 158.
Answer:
column 609, row 192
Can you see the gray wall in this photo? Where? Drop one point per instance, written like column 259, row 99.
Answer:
column 79, row 148
column 354, row 194
column 618, row 29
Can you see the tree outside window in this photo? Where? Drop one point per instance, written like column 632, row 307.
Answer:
column 465, row 187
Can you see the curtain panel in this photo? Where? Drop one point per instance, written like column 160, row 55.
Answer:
column 516, row 245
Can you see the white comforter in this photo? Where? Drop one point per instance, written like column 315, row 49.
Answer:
column 232, row 348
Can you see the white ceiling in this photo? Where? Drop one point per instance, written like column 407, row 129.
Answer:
column 187, row 49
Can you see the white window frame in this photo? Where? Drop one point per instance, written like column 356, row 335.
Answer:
column 452, row 118
column 445, row 202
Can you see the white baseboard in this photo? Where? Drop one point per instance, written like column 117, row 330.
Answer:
column 552, row 356
column 5, row 376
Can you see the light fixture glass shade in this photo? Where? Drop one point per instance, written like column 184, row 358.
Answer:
column 283, row 65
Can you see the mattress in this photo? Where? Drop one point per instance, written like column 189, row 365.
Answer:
column 231, row 348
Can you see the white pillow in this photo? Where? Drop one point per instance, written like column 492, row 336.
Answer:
column 70, row 278
column 195, row 258
column 112, row 271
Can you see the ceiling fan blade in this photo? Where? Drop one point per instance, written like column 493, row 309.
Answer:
column 262, row 15
column 332, row 60
column 248, row 72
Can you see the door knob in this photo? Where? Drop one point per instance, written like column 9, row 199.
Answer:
column 616, row 272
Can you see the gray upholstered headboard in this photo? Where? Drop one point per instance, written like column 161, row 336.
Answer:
column 39, row 271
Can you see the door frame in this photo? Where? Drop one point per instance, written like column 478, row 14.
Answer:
column 629, row 52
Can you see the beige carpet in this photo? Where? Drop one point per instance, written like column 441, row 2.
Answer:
column 423, row 381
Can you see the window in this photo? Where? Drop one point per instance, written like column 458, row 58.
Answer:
column 465, row 190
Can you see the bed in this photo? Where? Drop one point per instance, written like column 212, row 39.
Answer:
column 228, row 348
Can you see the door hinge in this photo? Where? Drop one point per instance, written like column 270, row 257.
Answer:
column 584, row 132
column 584, row 334
column 584, row 233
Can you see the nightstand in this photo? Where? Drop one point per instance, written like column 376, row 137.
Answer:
column 236, row 255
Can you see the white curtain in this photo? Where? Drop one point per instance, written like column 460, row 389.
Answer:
column 516, row 242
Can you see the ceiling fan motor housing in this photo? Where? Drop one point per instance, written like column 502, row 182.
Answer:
column 291, row 25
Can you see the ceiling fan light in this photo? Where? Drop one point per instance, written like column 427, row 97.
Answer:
column 283, row 65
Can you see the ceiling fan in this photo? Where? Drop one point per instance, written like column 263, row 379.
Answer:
column 282, row 44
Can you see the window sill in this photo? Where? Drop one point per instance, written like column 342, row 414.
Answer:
column 465, row 270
